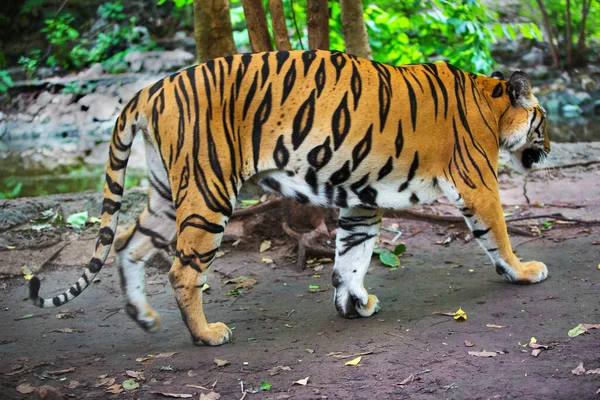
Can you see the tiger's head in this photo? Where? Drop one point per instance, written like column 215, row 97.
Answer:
column 522, row 126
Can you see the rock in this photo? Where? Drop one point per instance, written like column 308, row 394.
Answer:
column 99, row 107
column 587, row 83
column 135, row 59
column 558, row 85
column 533, row 57
column 539, row 72
column 582, row 97
column 44, row 99
column 34, row 109
column 176, row 59
column 571, row 111
column 158, row 61
column 67, row 119
column 92, row 72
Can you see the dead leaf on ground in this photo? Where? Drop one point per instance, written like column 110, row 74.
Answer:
column 65, row 315
column 593, row 371
column 264, row 246
column 536, row 352
column 191, row 373
column 104, row 381
column 579, row 370
column 409, row 379
column 139, row 375
column 495, row 326
column 68, row 330
column 242, row 282
column 73, row 385
column 210, row 396
column 175, row 395
column 25, row 388
column 354, row 362
column 582, row 328
column 164, row 355
column 115, row 389
column 484, row 353
column 276, row 370
column 220, row 362
column 448, row 314
column 302, row 382
column 197, row 387
column 468, row 343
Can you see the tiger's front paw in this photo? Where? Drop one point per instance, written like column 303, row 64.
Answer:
column 214, row 335
column 532, row 272
column 145, row 316
column 349, row 305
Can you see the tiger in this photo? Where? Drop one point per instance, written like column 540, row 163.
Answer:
column 321, row 127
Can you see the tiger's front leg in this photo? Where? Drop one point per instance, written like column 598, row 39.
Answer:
column 355, row 239
column 484, row 216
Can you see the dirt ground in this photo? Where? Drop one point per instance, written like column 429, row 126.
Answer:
column 283, row 332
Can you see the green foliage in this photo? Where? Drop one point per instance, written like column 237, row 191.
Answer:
column 390, row 258
column 178, row 3
column 112, row 11
column 30, row 63
column 408, row 31
column 12, row 187
column 5, row 81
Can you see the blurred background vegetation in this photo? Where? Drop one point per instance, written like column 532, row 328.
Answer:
column 556, row 41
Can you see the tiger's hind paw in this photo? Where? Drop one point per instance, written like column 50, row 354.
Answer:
column 214, row 335
column 531, row 272
column 352, row 307
column 148, row 319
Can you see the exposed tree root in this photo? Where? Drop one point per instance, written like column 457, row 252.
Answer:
column 309, row 244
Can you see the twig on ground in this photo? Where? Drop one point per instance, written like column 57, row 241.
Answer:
column 565, row 166
column 262, row 207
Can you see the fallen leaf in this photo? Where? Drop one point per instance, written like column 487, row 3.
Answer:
column 339, row 354
column 495, row 326
column 220, row 362
column 104, row 381
column 210, row 396
column 65, row 315
column 267, row 260
column 191, row 373
column 592, row 371
column 483, row 353
column 288, row 326
column 310, row 350
column 354, row 362
column 11, row 247
column 468, row 344
column 205, row 287
column 276, row 370
column 78, row 219
column 265, row 386
column 197, row 387
column 219, row 254
column 579, row 370
column 178, row 395
column 248, row 283
column 139, row 375
column 27, row 274
column 460, row 315
column 115, row 389
column 582, row 328
column 302, row 382
column 264, row 246
column 536, row 352
column 72, row 385
column 25, row 388
column 130, row 384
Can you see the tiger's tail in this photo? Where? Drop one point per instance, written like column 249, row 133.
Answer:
column 120, row 149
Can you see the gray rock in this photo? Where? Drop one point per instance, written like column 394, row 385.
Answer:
column 100, row 107
column 571, row 111
column 533, row 57
column 44, row 99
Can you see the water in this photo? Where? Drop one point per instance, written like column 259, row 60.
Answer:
column 69, row 165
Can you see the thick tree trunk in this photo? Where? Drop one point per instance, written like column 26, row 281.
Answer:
column 568, row 37
column 212, row 29
column 282, row 40
column 317, row 16
column 354, row 28
column 548, row 30
column 256, row 22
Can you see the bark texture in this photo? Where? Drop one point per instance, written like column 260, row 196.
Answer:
column 317, row 16
column 212, row 29
column 256, row 22
column 282, row 40
column 548, row 31
column 354, row 28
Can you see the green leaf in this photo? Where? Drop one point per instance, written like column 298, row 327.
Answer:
column 251, row 339
column 250, row 202
column 390, row 259
column 313, row 286
column 401, row 248
column 130, row 384
column 265, row 386
column 78, row 219
column 234, row 292
column 379, row 250
column 578, row 330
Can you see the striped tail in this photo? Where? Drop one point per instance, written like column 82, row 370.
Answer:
column 118, row 156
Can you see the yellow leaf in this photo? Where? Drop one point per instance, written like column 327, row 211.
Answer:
column 460, row 315
column 27, row 274
column 532, row 340
column 267, row 260
column 205, row 287
column 354, row 362
column 264, row 246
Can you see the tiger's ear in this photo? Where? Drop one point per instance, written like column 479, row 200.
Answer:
column 519, row 89
column 497, row 75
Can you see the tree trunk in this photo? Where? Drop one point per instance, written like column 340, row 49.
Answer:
column 581, row 40
column 568, row 37
column 282, row 41
column 354, row 28
column 548, row 30
column 256, row 22
column 317, row 20
column 212, row 29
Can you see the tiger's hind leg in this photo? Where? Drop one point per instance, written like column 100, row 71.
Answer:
column 153, row 231
column 356, row 235
column 198, row 239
